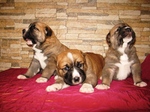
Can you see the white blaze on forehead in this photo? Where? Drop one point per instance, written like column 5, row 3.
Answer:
column 70, row 56
column 127, row 27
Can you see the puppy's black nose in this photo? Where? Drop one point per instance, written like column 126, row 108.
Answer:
column 23, row 31
column 76, row 79
column 128, row 29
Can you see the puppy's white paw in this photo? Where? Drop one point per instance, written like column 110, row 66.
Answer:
column 102, row 86
column 86, row 88
column 54, row 87
column 41, row 80
column 21, row 77
column 141, row 84
column 57, row 77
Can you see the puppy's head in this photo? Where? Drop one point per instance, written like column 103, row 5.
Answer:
column 119, row 34
column 36, row 33
column 71, row 66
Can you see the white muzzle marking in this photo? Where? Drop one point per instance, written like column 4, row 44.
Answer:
column 70, row 56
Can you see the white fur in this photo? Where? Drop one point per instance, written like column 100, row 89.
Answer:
column 40, row 56
column 127, row 27
column 75, row 73
column 102, row 86
column 70, row 56
column 21, row 77
column 86, row 88
column 141, row 84
column 56, row 87
column 56, row 77
column 124, row 68
column 124, row 65
column 41, row 80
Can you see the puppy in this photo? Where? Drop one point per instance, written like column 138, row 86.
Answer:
column 46, row 46
column 75, row 67
column 121, row 58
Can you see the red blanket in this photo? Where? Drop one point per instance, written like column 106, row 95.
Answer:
column 29, row 96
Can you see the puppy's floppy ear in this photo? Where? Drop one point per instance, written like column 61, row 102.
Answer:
column 85, row 64
column 108, row 39
column 83, row 54
column 48, row 31
column 57, row 61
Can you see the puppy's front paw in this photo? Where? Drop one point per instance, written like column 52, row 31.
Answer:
column 141, row 84
column 21, row 77
column 86, row 88
column 57, row 77
column 41, row 80
column 54, row 87
column 102, row 86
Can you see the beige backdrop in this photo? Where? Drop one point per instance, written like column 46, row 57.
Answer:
column 81, row 24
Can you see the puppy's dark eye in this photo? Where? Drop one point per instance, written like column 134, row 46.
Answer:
column 66, row 68
column 118, row 29
column 79, row 65
column 33, row 27
column 36, row 28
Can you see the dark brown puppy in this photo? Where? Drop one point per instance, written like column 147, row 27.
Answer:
column 46, row 47
column 121, row 58
column 75, row 67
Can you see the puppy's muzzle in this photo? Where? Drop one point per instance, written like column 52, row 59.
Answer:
column 128, row 29
column 127, row 32
column 76, row 79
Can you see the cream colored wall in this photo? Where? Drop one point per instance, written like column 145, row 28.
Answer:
column 81, row 24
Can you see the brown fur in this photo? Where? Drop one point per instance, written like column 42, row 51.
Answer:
column 113, row 56
column 93, row 64
column 50, row 46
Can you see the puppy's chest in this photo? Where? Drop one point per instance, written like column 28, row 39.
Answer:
column 124, row 67
column 40, row 57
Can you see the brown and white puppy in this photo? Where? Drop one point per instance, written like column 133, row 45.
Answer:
column 46, row 47
column 121, row 58
column 75, row 67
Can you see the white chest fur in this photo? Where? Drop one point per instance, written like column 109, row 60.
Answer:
column 40, row 57
column 124, row 65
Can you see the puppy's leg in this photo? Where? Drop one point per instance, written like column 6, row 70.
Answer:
column 136, row 71
column 58, row 85
column 32, row 70
column 86, row 88
column 107, row 76
column 102, row 86
column 46, row 74
column 48, row 71
column 89, row 83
